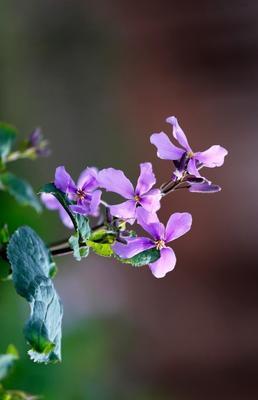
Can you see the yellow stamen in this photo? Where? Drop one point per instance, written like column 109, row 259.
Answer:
column 160, row 244
column 137, row 198
column 190, row 154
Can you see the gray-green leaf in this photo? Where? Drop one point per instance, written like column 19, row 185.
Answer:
column 7, row 137
column 20, row 189
column 32, row 268
column 143, row 258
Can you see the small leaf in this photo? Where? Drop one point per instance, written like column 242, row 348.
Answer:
column 7, row 361
column 4, row 235
column 143, row 258
column 32, row 268
column 20, row 190
column 7, row 137
column 79, row 252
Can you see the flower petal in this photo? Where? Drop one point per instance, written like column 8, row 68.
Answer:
column 178, row 133
column 64, row 216
column 166, row 150
column 192, row 169
column 63, row 181
column 88, row 179
column 114, row 180
column 95, row 201
column 83, row 209
column 204, row 188
column 134, row 246
column 164, row 264
column 213, row 157
column 151, row 200
column 146, row 179
column 178, row 224
column 150, row 223
column 49, row 201
column 125, row 210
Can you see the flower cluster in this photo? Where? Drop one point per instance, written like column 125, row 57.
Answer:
column 141, row 202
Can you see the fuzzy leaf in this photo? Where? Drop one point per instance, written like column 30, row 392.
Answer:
column 20, row 190
column 143, row 258
column 7, row 137
column 7, row 361
column 32, row 268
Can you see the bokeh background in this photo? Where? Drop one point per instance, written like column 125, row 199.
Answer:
column 99, row 77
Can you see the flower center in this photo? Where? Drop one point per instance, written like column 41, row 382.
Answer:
column 190, row 154
column 160, row 244
column 137, row 198
column 80, row 194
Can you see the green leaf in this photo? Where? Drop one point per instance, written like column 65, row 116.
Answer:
column 143, row 258
column 32, row 268
column 101, row 242
column 79, row 251
column 15, row 395
column 4, row 235
column 7, row 361
column 20, row 190
column 7, row 137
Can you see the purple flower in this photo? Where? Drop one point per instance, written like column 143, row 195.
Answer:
column 178, row 224
column 52, row 203
column 37, row 141
column 114, row 180
column 85, row 193
column 212, row 157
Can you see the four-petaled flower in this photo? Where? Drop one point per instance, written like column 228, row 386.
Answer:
column 178, row 224
column 85, row 194
column 212, row 157
column 143, row 195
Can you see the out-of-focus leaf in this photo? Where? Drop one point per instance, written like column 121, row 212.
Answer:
column 32, row 268
column 4, row 235
column 20, row 189
column 15, row 395
column 143, row 258
column 7, row 137
column 7, row 361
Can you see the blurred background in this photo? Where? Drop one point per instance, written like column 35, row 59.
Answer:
column 99, row 77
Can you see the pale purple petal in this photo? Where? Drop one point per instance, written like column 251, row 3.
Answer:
column 166, row 150
column 83, row 209
column 64, row 216
column 63, row 181
column 134, row 246
column 95, row 201
column 49, row 201
column 150, row 223
column 204, row 188
column 192, row 169
column 125, row 210
column 178, row 133
column 178, row 225
column 146, row 179
column 164, row 264
column 88, row 179
column 213, row 157
column 114, row 180
column 151, row 200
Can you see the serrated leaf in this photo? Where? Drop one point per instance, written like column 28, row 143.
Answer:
column 20, row 189
column 80, row 222
column 79, row 251
column 7, row 361
column 32, row 268
column 7, row 137
column 143, row 258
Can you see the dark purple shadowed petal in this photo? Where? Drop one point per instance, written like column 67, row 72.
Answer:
column 134, row 246
column 114, row 180
column 178, row 133
column 178, row 224
column 151, row 200
column 213, row 157
column 204, row 188
column 164, row 264
column 63, row 181
column 83, row 209
column 166, row 150
column 150, row 223
column 35, row 137
column 146, row 179
column 125, row 210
